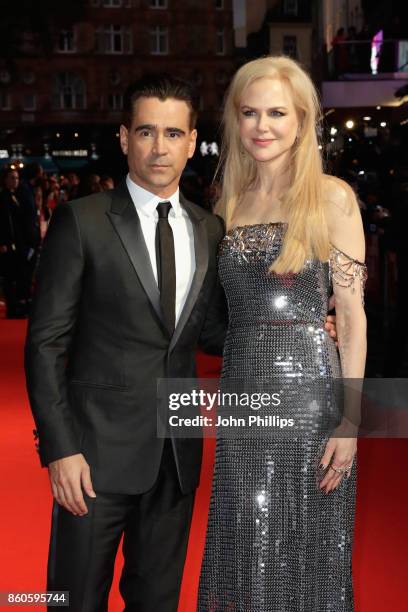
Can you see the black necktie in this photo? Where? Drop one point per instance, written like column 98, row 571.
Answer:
column 166, row 265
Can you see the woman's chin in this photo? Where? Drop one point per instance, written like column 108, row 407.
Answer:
column 263, row 156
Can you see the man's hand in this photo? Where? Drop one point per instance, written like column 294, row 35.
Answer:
column 66, row 477
column 330, row 324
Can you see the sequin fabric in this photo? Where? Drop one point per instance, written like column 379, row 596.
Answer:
column 275, row 542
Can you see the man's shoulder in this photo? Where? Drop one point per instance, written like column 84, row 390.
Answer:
column 96, row 202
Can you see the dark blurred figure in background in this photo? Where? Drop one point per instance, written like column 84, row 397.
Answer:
column 389, row 52
column 364, row 49
column 107, row 182
column 212, row 194
column 91, row 184
column 340, row 52
column 352, row 50
column 398, row 337
column 31, row 179
column 16, row 251
column 33, row 175
column 73, row 185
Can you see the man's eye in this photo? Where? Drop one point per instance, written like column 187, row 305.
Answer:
column 174, row 135
column 145, row 133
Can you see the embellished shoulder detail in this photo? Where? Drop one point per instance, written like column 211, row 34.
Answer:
column 344, row 270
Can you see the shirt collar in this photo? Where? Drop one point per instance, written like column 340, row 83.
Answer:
column 146, row 202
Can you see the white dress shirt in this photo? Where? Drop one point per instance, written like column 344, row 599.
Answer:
column 146, row 203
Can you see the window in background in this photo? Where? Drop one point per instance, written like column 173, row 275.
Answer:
column 114, row 39
column 5, row 101
column 115, row 101
column 290, row 7
column 66, row 41
column 68, row 92
column 290, row 46
column 158, row 4
column 29, row 102
column 220, row 42
column 159, row 40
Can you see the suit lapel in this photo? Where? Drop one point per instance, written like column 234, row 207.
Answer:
column 125, row 220
column 201, row 266
column 126, row 223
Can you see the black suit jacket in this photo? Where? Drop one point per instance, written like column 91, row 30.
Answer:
column 97, row 343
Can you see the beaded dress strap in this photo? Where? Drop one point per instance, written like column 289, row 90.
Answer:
column 344, row 270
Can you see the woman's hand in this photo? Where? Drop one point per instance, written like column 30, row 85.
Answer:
column 340, row 452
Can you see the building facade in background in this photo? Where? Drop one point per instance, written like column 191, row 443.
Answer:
column 63, row 88
column 64, row 68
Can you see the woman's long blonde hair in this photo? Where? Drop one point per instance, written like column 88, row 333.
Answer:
column 307, row 233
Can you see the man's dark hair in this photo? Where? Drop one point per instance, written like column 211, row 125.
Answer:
column 161, row 86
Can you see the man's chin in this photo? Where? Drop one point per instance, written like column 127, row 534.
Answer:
column 161, row 179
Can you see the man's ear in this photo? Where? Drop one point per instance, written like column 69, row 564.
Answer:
column 192, row 144
column 124, row 139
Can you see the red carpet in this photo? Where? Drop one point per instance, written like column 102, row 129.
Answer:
column 381, row 538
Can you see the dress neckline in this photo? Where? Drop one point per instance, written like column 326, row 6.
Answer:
column 266, row 224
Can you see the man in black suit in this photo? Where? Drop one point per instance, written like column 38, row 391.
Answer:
column 16, row 247
column 126, row 290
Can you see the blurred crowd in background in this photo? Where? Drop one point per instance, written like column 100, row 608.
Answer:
column 29, row 196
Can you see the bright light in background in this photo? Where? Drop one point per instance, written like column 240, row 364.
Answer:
column 361, row 172
column 378, row 107
column 350, row 140
column 333, row 131
column 76, row 134
column 320, row 147
column 383, row 124
column 350, row 124
column 367, row 118
column 331, row 139
column 376, row 46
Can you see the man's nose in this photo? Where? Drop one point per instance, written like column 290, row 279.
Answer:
column 159, row 145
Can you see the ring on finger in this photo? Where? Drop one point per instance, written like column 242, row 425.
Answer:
column 339, row 470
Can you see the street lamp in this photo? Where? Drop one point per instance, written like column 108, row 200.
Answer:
column 350, row 124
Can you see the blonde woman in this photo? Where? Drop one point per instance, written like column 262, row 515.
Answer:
column 280, row 529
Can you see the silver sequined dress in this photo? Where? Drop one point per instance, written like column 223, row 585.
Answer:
column 275, row 542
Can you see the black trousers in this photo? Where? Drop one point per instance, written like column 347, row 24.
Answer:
column 155, row 525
